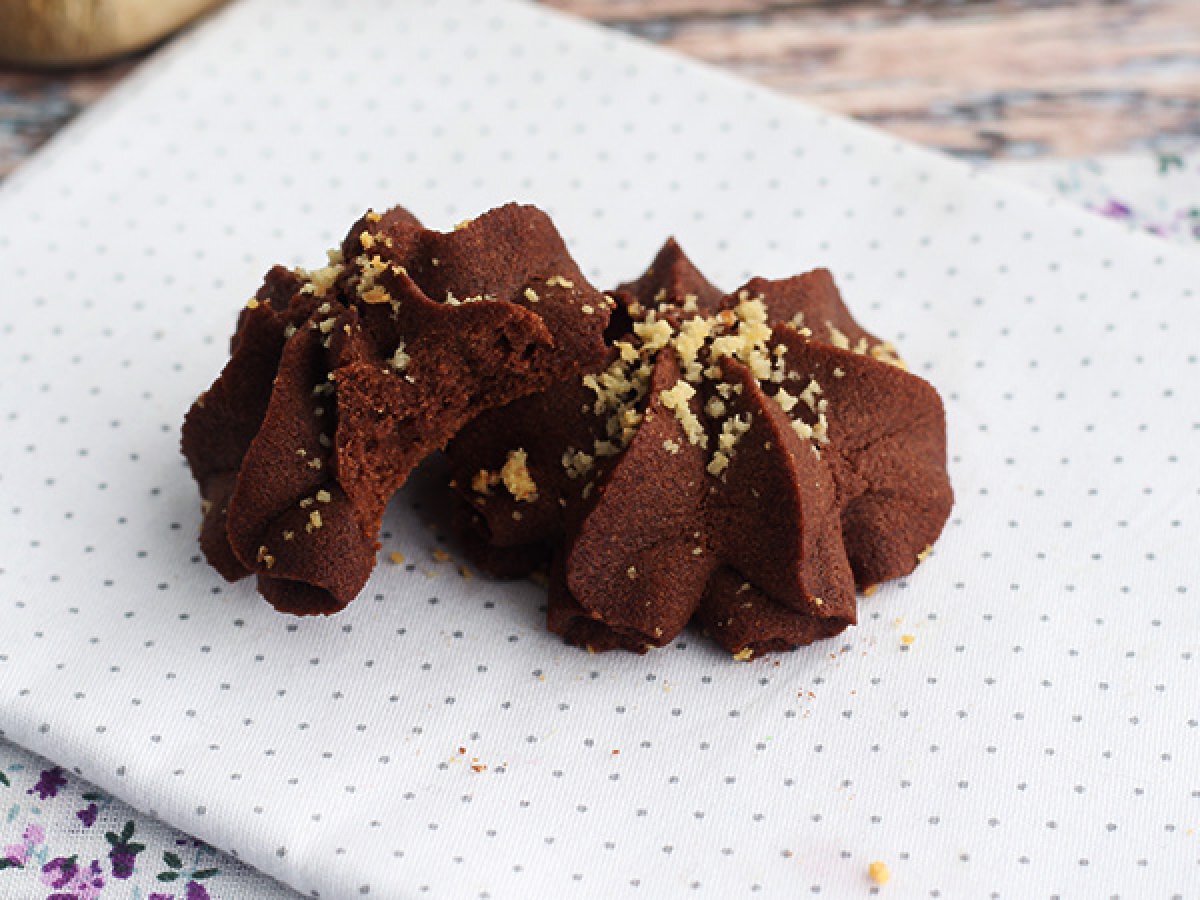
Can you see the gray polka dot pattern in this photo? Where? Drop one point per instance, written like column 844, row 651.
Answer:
column 1018, row 718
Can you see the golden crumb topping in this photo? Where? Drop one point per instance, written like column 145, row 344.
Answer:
column 577, row 463
column 483, row 481
column 879, row 872
column 400, row 359
column 677, row 399
column 517, row 478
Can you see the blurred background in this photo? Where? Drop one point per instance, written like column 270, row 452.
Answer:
column 977, row 78
column 981, row 79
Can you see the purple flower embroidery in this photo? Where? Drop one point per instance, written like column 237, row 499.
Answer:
column 16, row 855
column 87, row 815
column 122, row 862
column 59, row 871
column 1115, row 209
column 71, row 882
column 196, row 891
column 123, row 854
column 49, row 783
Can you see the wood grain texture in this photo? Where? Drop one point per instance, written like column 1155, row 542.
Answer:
column 34, row 105
column 980, row 78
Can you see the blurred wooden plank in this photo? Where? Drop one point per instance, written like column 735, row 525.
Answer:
column 34, row 105
column 980, row 78
column 984, row 78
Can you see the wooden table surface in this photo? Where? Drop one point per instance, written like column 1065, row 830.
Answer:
column 977, row 78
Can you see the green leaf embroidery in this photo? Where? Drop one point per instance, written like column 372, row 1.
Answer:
column 111, row 837
column 127, row 832
column 167, row 876
column 201, row 874
column 135, row 847
column 172, row 860
column 93, row 796
column 1169, row 161
column 6, row 863
column 4, row 780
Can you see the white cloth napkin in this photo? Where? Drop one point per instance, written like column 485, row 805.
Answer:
column 1039, row 734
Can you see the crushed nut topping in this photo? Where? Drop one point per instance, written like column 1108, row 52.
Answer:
column 517, row 478
column 400, row 359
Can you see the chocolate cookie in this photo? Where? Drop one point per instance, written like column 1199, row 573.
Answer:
column 343, row 379
column 742, row 460
column 673, row 454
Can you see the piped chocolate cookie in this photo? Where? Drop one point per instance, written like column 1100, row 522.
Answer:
column 671, row 454
column 342, row 379
column 743, row 461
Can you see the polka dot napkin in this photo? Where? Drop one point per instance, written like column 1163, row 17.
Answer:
column 1016, row 718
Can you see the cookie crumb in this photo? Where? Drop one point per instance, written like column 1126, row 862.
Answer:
column 837, row 337
column 483, row 481
column 400, row 359
column 577, row 463
column 676, row 399
column 396, row 557
column 744, row 655
column 517, row 478
column 879, row 872
column 907, row 640
column 719, row 463
column 785, row 400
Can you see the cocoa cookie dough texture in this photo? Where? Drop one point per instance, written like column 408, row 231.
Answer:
column 670, row 453
column 341, row 380
column 744, row 461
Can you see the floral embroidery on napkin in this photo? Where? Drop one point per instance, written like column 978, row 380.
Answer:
column 100, row 860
